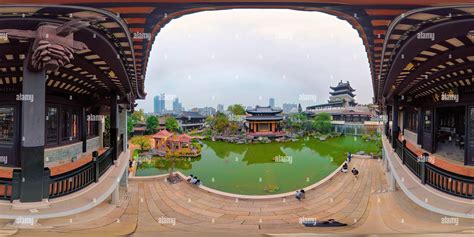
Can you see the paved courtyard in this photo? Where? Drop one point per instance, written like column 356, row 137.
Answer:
column 152, row 206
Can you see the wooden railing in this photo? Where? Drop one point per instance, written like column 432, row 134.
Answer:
column 71, row 181
column 440, row 179
column 448, row 182
column 77, row 179
column 10, row 187
column 6, row 186
column 104, row 161
column 65, row 183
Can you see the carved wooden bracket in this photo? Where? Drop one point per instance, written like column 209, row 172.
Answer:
column 53, row 45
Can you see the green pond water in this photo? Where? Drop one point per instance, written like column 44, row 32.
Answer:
column 251, row 168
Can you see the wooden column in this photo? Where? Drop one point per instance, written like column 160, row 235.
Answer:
column 394, row 122
column 84, row 130
column 114, row 125
column 469, row 134
column 33, row 135
column 419, row 128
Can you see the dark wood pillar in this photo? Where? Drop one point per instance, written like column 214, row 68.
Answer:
column 387, row 124
column 84, row 129
column 404, row 119
column 394, row 122
column 469, row 134
column 33, row 135
column 419, row 127
column 114, row 125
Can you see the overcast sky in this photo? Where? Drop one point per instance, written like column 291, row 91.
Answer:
column 248, row 56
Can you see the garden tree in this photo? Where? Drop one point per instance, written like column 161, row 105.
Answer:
column 138, row 115
column 151, row 124
column 208, row 120
column 171, row 124
column 141, row 141
column 233, row 127
column 221, row 122
column 171, row 155
column 322, row 123
column 131, row 122
column 294, row 122
column 196, row 145
column 236, row 109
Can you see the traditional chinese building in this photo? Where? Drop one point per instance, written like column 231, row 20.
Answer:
column 342, row 106
column 167, row 142
column 264, row 121
column 342, row 96
column 190, row 120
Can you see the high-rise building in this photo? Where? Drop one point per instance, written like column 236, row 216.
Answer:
column 177, row 106
column 220, row 108
column 290, row 108
column 159, row 104
column 271, row 102
column 206, row 111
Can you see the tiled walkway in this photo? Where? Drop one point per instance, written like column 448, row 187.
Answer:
column 152, row 206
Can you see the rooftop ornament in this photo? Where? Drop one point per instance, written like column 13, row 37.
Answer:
column 53, row 45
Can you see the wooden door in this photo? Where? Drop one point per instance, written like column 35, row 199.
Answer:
column 9, row 135
column 427, row 129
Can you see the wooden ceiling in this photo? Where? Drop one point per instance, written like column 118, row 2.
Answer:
column 384, row 26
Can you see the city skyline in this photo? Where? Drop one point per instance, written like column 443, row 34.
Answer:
column 174, row 103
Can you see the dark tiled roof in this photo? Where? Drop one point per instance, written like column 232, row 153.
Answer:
column 264, row 118
column 191, row 115
column 264, row 110
column 327, row 104
column 342, row 85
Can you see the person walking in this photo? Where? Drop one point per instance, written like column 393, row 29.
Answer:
column 355, row 172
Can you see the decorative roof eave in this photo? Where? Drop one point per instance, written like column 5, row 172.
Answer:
column 342, row 92
column 264, row 118
column 385, row 64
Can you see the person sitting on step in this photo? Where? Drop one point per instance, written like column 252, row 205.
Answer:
column 345, row 167
column 300, row 194
column 190, row 177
